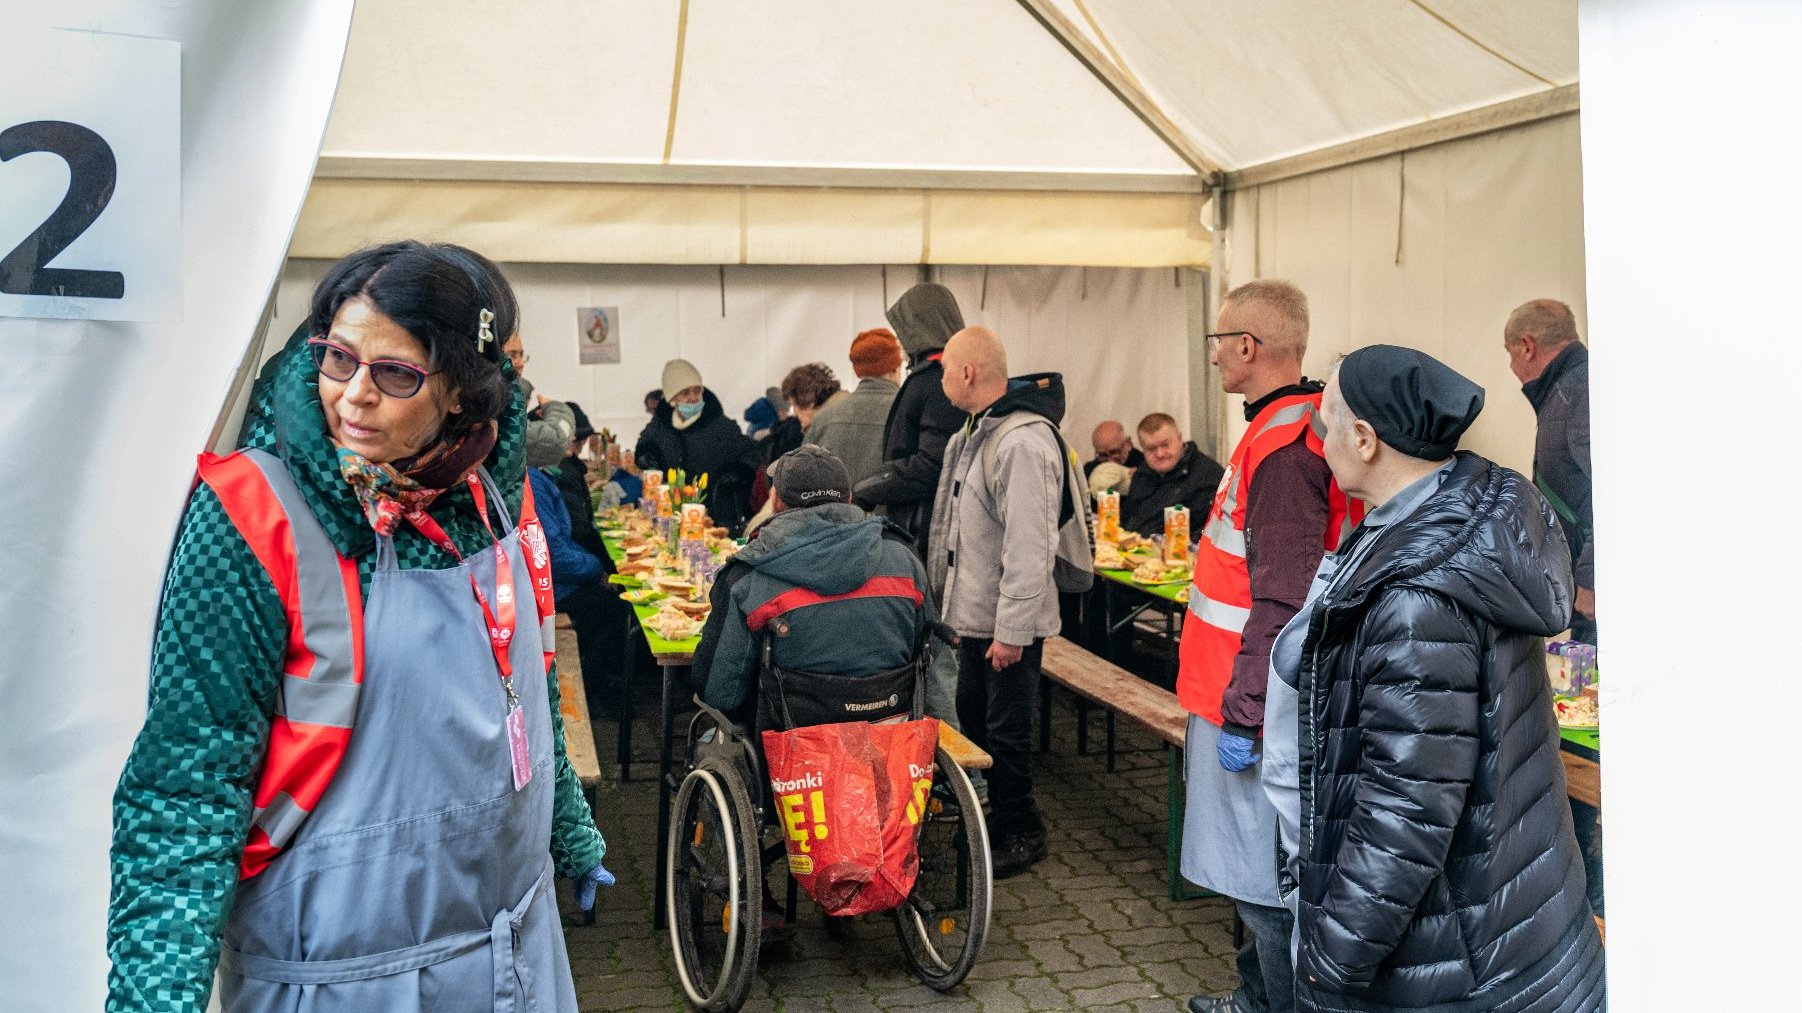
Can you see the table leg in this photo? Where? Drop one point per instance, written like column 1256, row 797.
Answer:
column 665, row 755
column 635, row 651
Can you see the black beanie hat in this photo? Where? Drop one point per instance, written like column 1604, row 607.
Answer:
column 1417, row 404
column 810, row 475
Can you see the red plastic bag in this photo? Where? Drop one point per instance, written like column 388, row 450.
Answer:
column 849, row 797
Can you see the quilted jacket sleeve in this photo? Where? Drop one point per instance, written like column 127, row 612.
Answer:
column 182, row 806
column 1418, row 736
column 576, row 844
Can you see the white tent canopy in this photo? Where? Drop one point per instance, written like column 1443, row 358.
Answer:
column 814, row 131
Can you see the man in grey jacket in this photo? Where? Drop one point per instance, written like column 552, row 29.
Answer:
column 993, row 546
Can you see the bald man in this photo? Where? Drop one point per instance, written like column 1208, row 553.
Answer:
column 1112, row 445
column 993, row 547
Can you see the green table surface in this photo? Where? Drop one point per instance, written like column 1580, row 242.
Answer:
column 658, row 645
column 1168, row 592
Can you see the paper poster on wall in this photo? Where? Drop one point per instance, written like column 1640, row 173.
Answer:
column 90, row 177
column 597, row 334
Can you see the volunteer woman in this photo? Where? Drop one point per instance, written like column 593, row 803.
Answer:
column 350, row 791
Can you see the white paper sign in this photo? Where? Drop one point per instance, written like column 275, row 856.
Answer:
column 90, row 176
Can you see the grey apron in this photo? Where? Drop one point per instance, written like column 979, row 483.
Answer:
column 422, row 881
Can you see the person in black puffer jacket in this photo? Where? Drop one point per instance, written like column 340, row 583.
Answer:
column 692, row 432
column 1436, row 868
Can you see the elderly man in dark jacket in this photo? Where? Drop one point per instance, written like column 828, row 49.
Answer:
column 1423, row 837
column 692, row 432
column 851, row 593
column 1176, row 473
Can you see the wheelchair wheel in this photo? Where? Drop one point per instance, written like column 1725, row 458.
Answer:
column 945, row 920
column 715, row 904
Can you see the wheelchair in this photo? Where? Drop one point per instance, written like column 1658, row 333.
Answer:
column 724, row 835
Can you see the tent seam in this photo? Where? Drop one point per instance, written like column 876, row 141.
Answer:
column 1473, row 40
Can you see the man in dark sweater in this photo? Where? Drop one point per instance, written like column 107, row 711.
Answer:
column 1549, row 359
column 1176, row 473
column 1112, row 445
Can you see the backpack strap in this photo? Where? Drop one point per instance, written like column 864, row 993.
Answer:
column 1020, row 420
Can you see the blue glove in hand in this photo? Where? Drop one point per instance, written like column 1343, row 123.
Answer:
column 1235, row 751
column 585, row 887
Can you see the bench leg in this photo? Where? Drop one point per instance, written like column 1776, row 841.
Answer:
column 1044, row 715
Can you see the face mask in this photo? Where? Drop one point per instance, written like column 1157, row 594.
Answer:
column 689, row 411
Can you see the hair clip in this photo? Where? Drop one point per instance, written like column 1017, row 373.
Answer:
column 485, row 332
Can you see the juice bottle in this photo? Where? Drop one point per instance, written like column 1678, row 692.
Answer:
column 1108, row 519
column 1176, row 534
column 694, row 522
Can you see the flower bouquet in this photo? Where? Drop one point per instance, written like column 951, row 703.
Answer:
column 681, row 490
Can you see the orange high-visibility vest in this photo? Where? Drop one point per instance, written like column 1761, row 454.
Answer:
column 322, row 662
column 1220, row 595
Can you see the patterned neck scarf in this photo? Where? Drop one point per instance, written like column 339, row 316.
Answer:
column 391, row 492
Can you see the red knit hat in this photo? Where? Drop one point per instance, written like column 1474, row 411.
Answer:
column 876, row 353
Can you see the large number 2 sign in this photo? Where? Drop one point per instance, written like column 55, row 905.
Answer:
column 92, row 173
column 91, row 224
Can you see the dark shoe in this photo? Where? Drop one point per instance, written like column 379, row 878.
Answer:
column 1216, row 1004
column 1018, row 852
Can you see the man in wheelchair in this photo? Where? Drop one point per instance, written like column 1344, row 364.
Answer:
column 842, row 590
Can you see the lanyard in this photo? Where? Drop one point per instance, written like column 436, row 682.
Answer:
column 500, row 631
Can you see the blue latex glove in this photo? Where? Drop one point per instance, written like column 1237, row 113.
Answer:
column 585, row 887
column 1235, row 751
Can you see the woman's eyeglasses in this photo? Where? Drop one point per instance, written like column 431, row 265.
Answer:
column 391, row 376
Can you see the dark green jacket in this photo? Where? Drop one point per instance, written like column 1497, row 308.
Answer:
column 183, row 804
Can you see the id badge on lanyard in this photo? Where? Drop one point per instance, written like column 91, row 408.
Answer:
column 501, row 621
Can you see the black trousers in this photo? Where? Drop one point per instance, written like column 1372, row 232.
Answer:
column 995, row 709
column 598, row 617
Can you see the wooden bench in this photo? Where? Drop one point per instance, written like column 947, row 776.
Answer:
column 964, row 753
column 1120, row 692
column 578, row 733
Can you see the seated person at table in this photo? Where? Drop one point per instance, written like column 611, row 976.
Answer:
column 572, row 566
column 847, row 585
column 1112, row 445
column 1176, row 473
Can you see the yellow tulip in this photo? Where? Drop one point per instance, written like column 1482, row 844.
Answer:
column 670, row 476
column 703, row 481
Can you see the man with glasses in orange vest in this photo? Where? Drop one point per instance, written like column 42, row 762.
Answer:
column 1276, row 513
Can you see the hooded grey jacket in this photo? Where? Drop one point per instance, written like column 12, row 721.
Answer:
column 994, row 538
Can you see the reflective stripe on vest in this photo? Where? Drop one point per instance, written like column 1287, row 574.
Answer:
column 1220, row 594
column 322, row 662
column 1218, row 613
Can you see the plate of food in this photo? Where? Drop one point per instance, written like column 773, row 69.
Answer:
column 671, row 623
column 642, row 595
column 1156, row 572
column 692, row 609
column 1577, row 712
column 675, row 587
column 1107, row 557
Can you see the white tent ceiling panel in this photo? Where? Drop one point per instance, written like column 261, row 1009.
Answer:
column 936, row 84
column 1250, row 83
column 555, row 79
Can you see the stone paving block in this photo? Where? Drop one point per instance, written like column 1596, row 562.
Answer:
column 1152, row 936
column 1053, row 929
column 1090, row 998
column 1094, row 950
column 1171, row 977
column 1095, row 977
column 1052, row 956
column 996, row 997
column 1041, row 994
column 631, row 999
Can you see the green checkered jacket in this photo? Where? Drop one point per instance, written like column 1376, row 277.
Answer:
column 183, row 805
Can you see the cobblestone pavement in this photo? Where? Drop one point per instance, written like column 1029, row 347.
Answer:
column 1090, row 928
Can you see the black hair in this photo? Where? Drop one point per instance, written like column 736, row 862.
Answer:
column 436, row 293
column 654, row 398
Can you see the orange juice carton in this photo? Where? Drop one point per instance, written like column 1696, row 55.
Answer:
column 1176, row 534
column 1107, row 525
